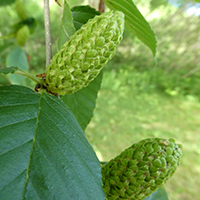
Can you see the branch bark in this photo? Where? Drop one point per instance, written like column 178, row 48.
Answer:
column 101, row 6
column 47, row 32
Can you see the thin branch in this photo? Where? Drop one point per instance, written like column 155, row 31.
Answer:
column 101, row 6
column 47, row 32
column 28, row 75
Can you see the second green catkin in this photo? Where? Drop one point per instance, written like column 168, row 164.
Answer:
column 141, row 169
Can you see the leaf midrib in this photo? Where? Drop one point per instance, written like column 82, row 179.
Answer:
column 28, row 167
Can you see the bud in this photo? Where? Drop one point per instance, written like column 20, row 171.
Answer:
column 22, row 35
column 81, row 58
column 141, row 169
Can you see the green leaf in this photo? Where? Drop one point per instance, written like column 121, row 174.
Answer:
column 135, row 22
column 81, row 14
column 67, row 27
column 9, row 70
column 17, row 58
column 43, row 151
column 159, row 194
column 82, row 103
column 6, row 2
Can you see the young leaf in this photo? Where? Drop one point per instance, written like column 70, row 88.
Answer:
column 8, row 70
column 82, row 103
column 135, row 22
column 81, row 14
column 43, row 151
column 67, row 26
column 17, row 58
column 159, row 194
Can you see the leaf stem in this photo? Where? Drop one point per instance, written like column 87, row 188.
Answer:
column 47, row 32
column 28, row 75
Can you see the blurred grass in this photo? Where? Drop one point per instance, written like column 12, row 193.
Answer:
column 132, row 106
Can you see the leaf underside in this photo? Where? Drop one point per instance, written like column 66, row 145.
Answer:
column 82, row 103
column 159, row 194
column 17, row 57
column 43, row 151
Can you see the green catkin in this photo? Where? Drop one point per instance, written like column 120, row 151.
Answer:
column 141, row 169
column 82, row 58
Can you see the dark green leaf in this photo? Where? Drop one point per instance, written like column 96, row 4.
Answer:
column 43, row 151
column 30, row 22
column 9, row 70
column 135, row 22
column 82, row 103
column 67, row 26
column 159, row 194
column 81, row 14
column 17, row 58
column 6, row 2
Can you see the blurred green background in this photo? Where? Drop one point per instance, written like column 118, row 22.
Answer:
column 138, row 98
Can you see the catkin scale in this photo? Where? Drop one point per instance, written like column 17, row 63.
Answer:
column 82, row 58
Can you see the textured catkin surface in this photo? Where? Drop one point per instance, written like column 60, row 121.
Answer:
column 141, row 169
column 81, row 58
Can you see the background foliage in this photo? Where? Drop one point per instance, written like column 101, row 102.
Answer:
column 165, row 97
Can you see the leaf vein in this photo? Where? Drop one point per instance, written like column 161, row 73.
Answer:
column 15, row 147
column 12, row 179
column 74, row 131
